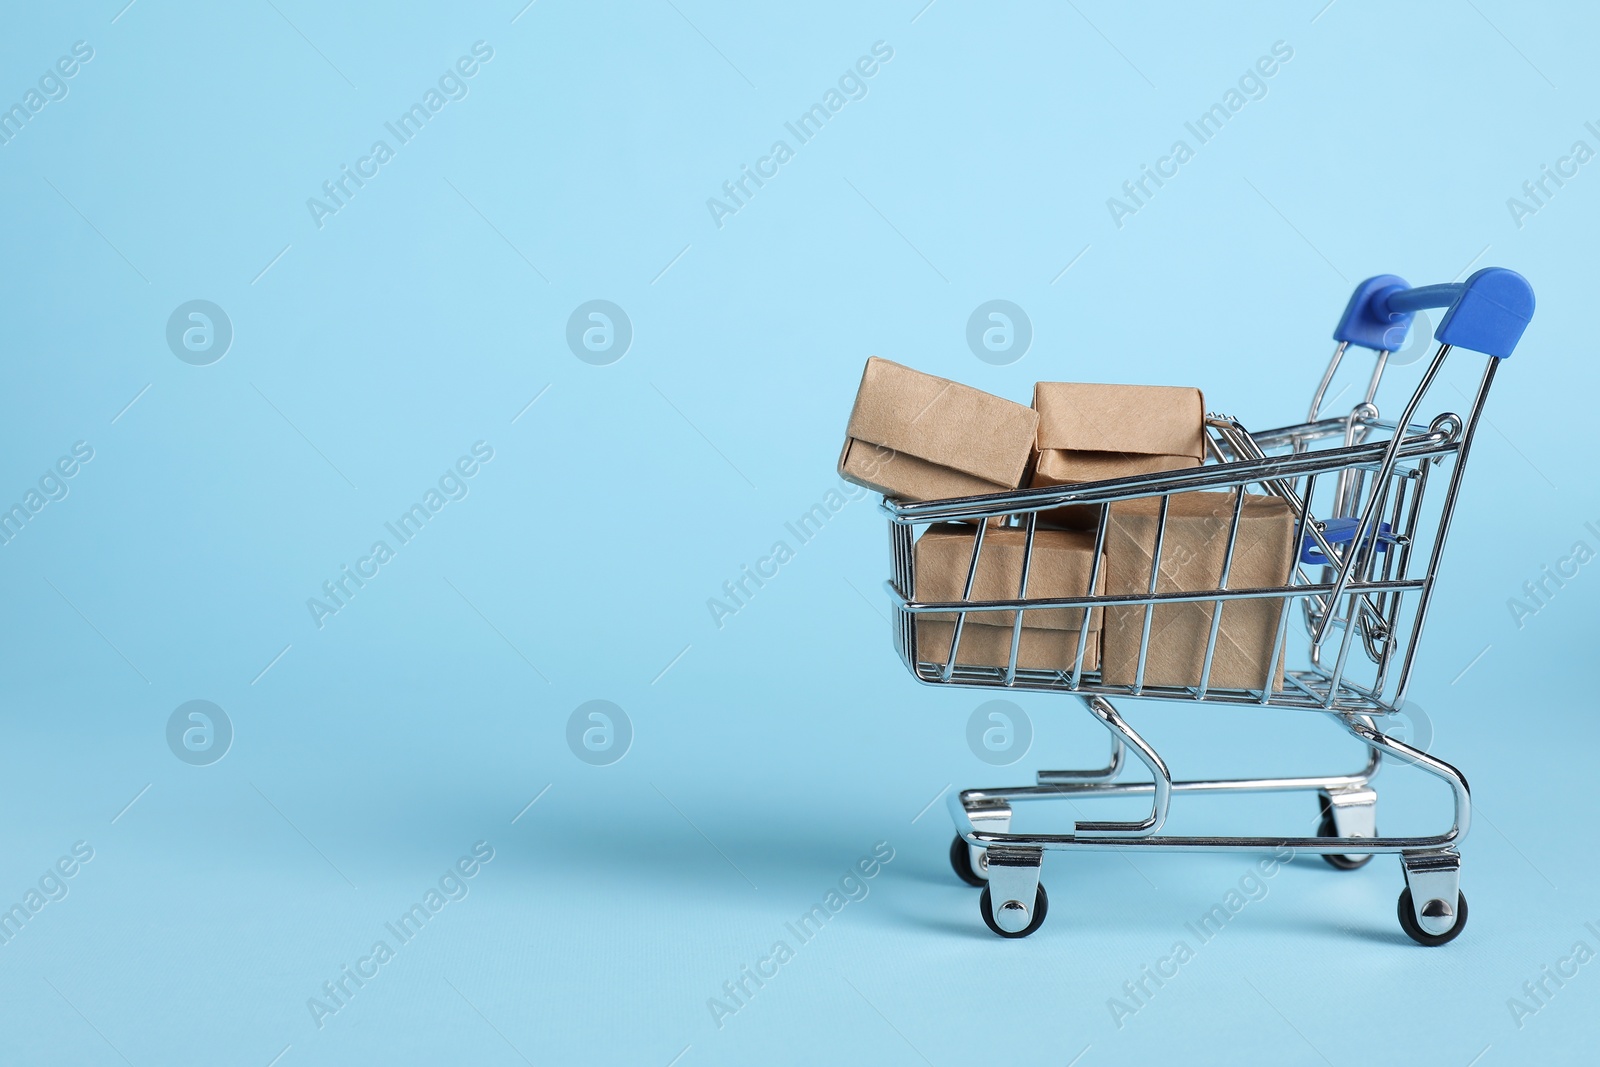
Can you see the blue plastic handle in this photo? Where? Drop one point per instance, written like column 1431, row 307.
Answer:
column 1487, row 313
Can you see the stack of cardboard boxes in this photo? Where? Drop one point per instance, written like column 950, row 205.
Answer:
column 914, row 436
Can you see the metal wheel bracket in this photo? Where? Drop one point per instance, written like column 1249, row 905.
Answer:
column 1013, row 885
column 990, row 817
column 1355, row 811
column 1434, row 879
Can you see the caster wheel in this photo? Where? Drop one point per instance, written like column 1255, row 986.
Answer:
column 1041, row 907
column 961, row 862
column 1339, row 862
column 1408, row 921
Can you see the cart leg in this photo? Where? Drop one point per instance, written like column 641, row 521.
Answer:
column 1112, row 768
column 1014, row 902
column 1432, row 909
column 1101, row 709
column 993, row 817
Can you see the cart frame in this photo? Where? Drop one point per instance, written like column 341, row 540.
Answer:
column 1370, row 576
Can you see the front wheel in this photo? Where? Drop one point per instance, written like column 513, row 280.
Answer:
column 1041, row 907
column 1408, row 921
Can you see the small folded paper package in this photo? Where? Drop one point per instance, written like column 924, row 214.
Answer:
column 919, row 437
column 1089, row 433
column 1192, row 553
column 1062, row 563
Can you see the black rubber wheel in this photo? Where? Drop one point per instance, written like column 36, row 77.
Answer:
column 961, row 863
column 1041, row 908
column 1338, row 861
column 1408, row 921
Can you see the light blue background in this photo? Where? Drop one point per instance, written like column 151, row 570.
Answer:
column 772, row 752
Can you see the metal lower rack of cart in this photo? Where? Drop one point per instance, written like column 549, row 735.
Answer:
column 1370, row 525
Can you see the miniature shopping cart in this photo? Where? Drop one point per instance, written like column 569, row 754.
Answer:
column 1370, row 522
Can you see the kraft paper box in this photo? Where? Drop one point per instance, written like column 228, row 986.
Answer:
column 1090, row 433
column 1191, row 561
column 918, row 437
column 1062, row 561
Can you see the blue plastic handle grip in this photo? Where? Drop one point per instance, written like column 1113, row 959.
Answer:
column 1487, row 313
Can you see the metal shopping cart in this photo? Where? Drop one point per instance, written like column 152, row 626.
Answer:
column 1368, row 539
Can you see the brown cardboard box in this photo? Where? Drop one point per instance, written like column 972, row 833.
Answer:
column 1089, row 433
column 1062, row 560
column 1191, row 560
column 919, row 437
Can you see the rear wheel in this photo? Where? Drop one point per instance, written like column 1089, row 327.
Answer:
column 1326, row 828
column 961, row 863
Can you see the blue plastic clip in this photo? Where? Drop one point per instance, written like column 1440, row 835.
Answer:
column 1342, row 531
